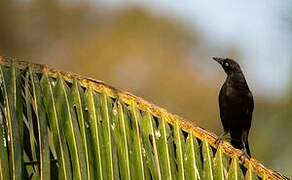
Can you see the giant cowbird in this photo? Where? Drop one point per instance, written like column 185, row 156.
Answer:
column 236, row 105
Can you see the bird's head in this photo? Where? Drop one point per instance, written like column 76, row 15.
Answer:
column 229, row 65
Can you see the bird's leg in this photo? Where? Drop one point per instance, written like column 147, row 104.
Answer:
column 244, row 155
column 245, row 151
column 220, row 139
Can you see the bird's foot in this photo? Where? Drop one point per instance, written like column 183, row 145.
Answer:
column 244, row 156
column 220, row 139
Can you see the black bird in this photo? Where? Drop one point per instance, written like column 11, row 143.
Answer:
column 236, row 105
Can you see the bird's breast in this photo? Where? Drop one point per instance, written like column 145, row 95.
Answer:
column 236, row 97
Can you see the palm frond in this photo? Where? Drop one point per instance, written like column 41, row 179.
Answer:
column 60, row 125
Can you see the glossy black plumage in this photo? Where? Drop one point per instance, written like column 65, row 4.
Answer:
column 236, row 104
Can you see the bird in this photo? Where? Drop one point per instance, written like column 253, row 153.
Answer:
column 236, row 105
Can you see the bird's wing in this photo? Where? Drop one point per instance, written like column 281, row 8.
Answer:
column 249, row 110
column 223, row 106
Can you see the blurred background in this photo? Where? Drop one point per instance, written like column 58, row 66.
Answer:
column 161, row 51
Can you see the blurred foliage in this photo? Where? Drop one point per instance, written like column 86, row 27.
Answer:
column 154, row 56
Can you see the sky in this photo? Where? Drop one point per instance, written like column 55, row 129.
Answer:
column 259, row 28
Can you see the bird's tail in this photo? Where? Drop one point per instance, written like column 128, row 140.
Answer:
column 247, row 148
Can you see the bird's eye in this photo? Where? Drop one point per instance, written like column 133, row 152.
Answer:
column 226, row 64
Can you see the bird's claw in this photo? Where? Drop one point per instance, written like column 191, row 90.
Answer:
column 244, row 156
column 220, row 139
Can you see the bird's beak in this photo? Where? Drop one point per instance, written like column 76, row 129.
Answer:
column 218, row 59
